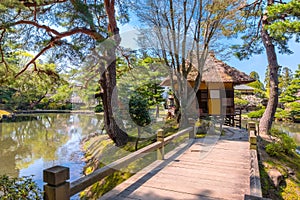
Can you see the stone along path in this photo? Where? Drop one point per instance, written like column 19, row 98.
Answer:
column 207, row 169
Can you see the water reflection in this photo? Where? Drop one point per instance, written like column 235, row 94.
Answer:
column 28, row 147
column 293, row 129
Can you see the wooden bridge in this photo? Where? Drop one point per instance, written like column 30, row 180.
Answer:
column 209, row 168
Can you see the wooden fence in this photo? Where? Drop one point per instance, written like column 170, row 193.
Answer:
column 59, row 188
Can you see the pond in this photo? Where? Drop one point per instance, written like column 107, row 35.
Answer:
column 292, row 129
column 29, row 146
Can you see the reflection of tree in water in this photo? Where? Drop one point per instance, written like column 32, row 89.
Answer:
column 90, row 124
column 8, row 157
column 293, row 129
column 32, row 140
column 22, row 143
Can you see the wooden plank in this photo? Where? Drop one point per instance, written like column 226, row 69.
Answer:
column 214, row 165
column 197, row 188
column 151, row 193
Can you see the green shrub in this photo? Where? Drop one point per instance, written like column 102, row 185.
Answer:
column 294, row 108
column 275, row 132
column 23, row 188
column 99, row 108
column 41, row 105
column 285, row 144
column 256, row 114
column 273, row 149
column 240, row 102
column 68, row 106
column 282, row 114
column 203, row 125
column 170, row 126
column 288, row 144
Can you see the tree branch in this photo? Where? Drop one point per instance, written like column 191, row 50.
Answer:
column 122, row 51
column 77, row 30
column 1, row 51
column 253, row 4
column 35, row 4
column 55, row 39
column 32, row 61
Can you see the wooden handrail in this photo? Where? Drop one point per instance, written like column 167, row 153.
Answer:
column 88, row 180
column 178, row 134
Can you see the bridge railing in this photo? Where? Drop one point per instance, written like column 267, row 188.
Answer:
column 58, row 186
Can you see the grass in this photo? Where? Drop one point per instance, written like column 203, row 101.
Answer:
column 290, row 189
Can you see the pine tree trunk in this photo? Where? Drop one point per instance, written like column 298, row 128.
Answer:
column 266, row 121
column 109, row 100
column 108, row 80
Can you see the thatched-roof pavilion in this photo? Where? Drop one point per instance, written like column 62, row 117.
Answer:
column 216, row 93
column 216, row 71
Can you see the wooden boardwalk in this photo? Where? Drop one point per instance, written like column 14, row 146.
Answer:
column 201, row 170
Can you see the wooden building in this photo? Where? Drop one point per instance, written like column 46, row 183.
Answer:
column 216, row 92
column 244, row 89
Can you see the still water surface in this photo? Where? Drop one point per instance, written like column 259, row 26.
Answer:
column 293, row 129
column 30, row 146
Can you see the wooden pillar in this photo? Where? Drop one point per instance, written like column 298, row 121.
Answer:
column 57, row 187
column 252, row 140
column 192, row 133
column 252, row 127
column 161, row 150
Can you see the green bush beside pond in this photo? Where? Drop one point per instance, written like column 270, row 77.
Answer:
column 22, row 188
column 279, row 154
column 284, row 144
column 256, row 114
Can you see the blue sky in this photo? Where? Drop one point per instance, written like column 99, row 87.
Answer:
column 259, row 63
column 256, row 63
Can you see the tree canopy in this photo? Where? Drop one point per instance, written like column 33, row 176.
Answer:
column 269, row 25
column 182, row 33
column 66, row 31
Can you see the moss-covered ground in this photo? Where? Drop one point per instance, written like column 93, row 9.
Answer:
column 100, row 151
column 288, row 165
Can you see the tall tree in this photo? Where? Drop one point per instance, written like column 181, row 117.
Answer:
column 270, row 24
column 142, row 78
column 292, row 92
column 254, row 75
column 139, row 113
column 182, row 33
column 257, row 85
column 69, row 29
column 285, row 79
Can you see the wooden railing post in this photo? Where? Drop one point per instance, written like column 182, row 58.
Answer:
column 252, row 140
column 192, row 132
column 161, row 150
column 252, row 127
column 57, row 187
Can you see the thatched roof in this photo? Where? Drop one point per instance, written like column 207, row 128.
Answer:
column 216, row 71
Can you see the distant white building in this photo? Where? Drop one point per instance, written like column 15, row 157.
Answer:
column 244, row 89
